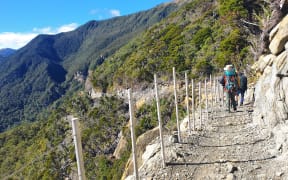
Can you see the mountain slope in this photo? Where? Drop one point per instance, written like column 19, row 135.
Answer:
column 43, row 71
column 6, row 52
column 200, row 37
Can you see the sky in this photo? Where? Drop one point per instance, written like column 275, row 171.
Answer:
column 21, row 21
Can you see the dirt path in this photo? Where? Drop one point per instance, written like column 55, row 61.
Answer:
column 229, row 146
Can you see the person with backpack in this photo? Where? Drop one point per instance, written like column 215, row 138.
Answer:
column 230, row 85
column 242, row 87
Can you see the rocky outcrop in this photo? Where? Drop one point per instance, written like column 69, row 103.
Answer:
column 142, row 142
column 121, row 147
column 271, row 94
column 279, row 37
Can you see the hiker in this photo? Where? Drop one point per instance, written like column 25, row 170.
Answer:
column 242, row 87
column 230, row 85
column 237, row 93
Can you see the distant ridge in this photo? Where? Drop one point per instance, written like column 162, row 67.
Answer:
column 42, row 71
column 6, row 52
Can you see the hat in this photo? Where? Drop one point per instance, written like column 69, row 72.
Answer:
column 228, row 67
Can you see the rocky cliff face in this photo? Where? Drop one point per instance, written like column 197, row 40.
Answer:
column 271, row 90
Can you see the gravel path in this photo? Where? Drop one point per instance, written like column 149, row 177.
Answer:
column 229, row 146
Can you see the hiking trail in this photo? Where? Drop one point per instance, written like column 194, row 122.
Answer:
column 228, row 146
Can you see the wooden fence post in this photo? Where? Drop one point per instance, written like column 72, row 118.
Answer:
column 223, row 97
column 159, row 121
column 215, row 93
column 132, row 125
column 200, row 107
column 206, row 100
column 211, row 91
column 78, row 148
column 176, row 104
column 187, row 100
column 193, row 104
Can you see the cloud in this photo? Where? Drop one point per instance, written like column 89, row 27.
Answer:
column 68, row 27
column 105, row 13
column 114, row 12
column 49, row 30
column 94, row 11
column 45, row 30
column 17, row 40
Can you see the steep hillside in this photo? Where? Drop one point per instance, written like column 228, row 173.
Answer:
column 44, row 149
column 202, row 36
column 43, row 71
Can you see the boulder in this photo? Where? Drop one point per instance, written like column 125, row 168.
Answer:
column 279, row 37
column 273, row 32
column 263, row 62
column 141, row 145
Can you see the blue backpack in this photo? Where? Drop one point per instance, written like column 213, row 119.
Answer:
column 230, row 80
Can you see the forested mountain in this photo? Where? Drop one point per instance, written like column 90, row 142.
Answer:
column 199, row 35
column 43, row 71
column 202, row 37
column 6, row 52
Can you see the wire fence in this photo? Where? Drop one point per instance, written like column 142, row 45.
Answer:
column 201, row 95
column 197, row 100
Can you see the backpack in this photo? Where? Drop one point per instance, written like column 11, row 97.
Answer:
column 243, row 83
column 230, row 80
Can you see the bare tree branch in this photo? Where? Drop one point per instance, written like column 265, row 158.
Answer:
column 250, row 23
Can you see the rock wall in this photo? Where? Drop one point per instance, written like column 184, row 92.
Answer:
column 142, row 141
column 271, row 90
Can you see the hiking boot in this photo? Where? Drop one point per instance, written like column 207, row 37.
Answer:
column 235, row 109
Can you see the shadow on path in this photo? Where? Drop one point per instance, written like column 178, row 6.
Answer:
column 216, row 162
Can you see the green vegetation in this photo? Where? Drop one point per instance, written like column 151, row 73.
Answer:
column 30, row 150
column 44, row 149
column 232, row 9
column 203, row 42
column 147, row 115
column 43, row 71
